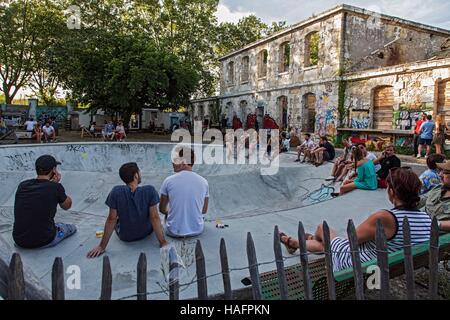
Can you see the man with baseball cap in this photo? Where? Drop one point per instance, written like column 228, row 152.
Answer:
column 437, row 201
column 35, row 208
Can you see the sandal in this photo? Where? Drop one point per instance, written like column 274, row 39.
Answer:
column 289, row 249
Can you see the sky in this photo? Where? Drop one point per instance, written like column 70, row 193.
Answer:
column 431, row 12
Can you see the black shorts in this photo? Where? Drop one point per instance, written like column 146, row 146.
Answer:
column 326, row 156
column 427, row 142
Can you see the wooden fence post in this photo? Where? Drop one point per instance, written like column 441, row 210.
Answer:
column 58, row 280
column 253, row 267
column 307, row 285
column 174, row 284
column 382, row 259
column 202, row 284
column 16, row 280
column 409, row 261
column 329, row 262
column 284, row 294
column 106, row 280
column 142, row 277
column 356, row 261
column 225, row 271
column 434, row 260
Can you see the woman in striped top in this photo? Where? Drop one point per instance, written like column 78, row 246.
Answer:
column 403, row 192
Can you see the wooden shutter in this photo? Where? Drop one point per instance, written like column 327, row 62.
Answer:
column 383, row 108
column 444, row 99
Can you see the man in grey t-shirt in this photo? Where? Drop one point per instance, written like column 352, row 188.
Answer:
column 184, row 198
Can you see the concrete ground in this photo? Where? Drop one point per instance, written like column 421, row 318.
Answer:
column 240, row 196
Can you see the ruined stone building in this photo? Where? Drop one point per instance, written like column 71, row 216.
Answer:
column 344, row 68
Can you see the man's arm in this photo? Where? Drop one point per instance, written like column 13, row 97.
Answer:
column 164, row 204
column 205, row 206
column 156, row 224
column 108, row 230
column 67, row 204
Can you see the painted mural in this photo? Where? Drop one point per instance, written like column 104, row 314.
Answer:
column 405, row 119
column 60, row 113
column 326, row 115
column 360, row 119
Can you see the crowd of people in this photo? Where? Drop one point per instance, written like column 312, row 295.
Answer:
column 428, row 133
column 133, row 209
column 111, row 131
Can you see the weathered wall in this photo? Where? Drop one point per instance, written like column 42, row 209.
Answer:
column 413, row 92
column 328, row 65
column 372, row 42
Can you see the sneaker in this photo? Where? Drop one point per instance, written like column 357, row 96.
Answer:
column 419, row 156
column 298, row 160
column 335, row 195
column 330, row 178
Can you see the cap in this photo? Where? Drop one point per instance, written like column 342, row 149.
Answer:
column 46, row 163
column 444, row 166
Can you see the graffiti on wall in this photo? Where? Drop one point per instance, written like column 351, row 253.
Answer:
column 405, row 119
column 404, row 142
column 360, row 119
column 60, row 113
column 326, row 115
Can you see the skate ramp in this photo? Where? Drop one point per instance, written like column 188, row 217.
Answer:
column 239, row 196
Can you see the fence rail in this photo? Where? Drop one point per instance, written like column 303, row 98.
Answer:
column 282, row 276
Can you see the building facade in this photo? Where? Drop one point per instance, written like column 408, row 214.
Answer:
column 345, row 68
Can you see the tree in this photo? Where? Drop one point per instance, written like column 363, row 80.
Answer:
column 27, row 28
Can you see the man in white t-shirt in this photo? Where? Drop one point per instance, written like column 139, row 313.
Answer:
column 184, row 198
column 49, row 132
column 306, row 146
column 30, row 124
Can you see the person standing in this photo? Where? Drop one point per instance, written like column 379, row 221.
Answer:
column 419, row 122
column 35, row 207
column 426, row 136
column 440, row 134
column 184, row 198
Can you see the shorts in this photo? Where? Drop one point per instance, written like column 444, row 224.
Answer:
column 326, row 156
column 342, row 255
column 382, row 184
column 427, row 142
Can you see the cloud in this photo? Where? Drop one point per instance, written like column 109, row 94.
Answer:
column 432, row 12
column 224, row 14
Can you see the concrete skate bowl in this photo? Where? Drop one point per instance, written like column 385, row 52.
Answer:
column 240, row 196
column 89, row 171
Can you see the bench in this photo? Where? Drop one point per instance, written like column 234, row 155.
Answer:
column 344, row 283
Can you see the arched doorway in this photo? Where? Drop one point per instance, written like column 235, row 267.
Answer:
column 309, row 113
column 243, row 110
column 383, row 108
column 443, row 101
column 282, row 103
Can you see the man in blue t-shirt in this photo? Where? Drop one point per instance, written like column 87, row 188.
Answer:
column 133, row 212
column 426, row 136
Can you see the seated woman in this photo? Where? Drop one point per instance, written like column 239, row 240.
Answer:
column 430, row 178
column 341, row 162
column 403, row 192
column 37, row 133
column 365, row 177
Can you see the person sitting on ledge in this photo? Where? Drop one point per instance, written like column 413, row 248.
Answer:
column 184, row 197
column 436, row 202
column 305, row 148
column 430, row 178
column 341, row 162
column 324, row 152
column 364, row 178
column 387, row 160
column 133, row 212
column 403, row 192
column 35, row 208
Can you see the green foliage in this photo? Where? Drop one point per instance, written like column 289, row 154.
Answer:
column 314, row 49
column 342, row 87
column 407, row 151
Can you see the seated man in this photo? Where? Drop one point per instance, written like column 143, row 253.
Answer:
column 437, row 201
column 108, row 131
column 49, row 132
column 324, row 152
column 430, row 178
column 30, row 124
column 284, row 143
column 387, row 160
column 305, row 147
column 3, row 126
column 132, row 211
column 184, row 198
column 35, row 208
